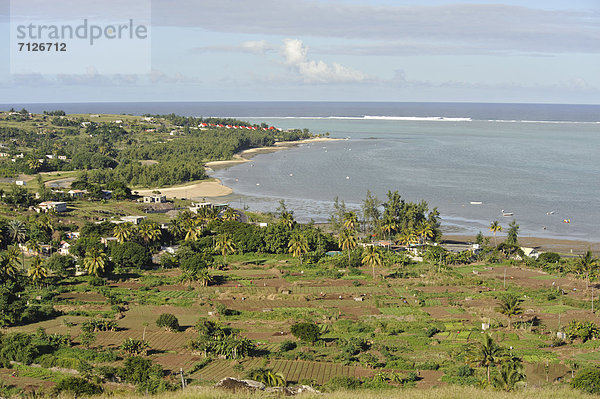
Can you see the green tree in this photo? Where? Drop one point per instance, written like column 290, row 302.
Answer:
column 149, row 232
column 8, row 266
column 495, row 228
column 510, row 305
column 124, row 232
column 287, row 219
column 225, row 245
column 95, row 261
column 372, row 257
column 307, row 332
column 130, row 255
column 586, row 264
column 509, row 375
column 17, row 232
column 298, row 245
column 512, row 233
column 347, row 241
column 488, row 354
column 168, row 321
column 37, row 272
column 424, row 231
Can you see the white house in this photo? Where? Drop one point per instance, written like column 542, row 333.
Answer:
column 64, row 248
column 76, row 193
column 155, row 199
column 53, row 206
column 133, row 219
column 21, row 183
column 530, row 252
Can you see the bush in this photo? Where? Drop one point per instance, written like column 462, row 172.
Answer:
column 96, row 281
column 340, row 382
column 307, row 332
column 287, row 346
column 587, row 380
column 548, row 257
column 77, row 387
column 168, row 321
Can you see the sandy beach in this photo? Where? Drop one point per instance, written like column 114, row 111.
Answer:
column 244, row 156
column 544, row 244
column 199, row 189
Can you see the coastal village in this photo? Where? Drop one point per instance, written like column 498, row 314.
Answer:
column 113, row 285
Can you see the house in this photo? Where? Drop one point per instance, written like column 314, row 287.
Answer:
column 155, row 199
column 530, row 252
column 72, row 235
column 133, row 219
column 63, row 249
column 62, row 157
column 21, row 183
column 52, row 206
column 76, row 193
column 107, row 240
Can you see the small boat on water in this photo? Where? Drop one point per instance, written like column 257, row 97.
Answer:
column 504, row 213
column 476, row 202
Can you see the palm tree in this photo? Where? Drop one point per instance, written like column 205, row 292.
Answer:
column 495, row 228
column 192, row 229
column 510, row 305
column 372, row 257
column 12, row 255
column 488, row 354
column 37, row 272
column 149, row 232
column 17, row 232
column 230, row 214
column 510, row 374
column 123, row 231
column 8, row 270
column 389, row 226
column 350, row 221
column 34, row 164
column 204, row 277
column 407, row 237
column 287, row 219
column 95, row 261
column 225, row 245
column 424, row 231
column 586, row 263
column 33, row 246
column 347, row 241
column 298, row 245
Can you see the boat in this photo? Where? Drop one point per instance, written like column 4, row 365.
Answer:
column 504, row 213
column 476, row 202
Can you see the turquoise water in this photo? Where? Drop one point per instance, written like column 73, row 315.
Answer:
column 527, row 168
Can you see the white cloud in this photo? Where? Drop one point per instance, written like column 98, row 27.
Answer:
column 296, row 56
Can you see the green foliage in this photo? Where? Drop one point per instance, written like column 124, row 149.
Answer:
column 587, row 380
column 168, row 321
column 342, row 383
column 267, row 377
column 135, row 347
column 307, row 332
column 582, row 329
column 95, row 325
column 130, row 255
column 287, row 345
column 548, row 257
column 147, row 376
column 63, row 266
column 77, row 386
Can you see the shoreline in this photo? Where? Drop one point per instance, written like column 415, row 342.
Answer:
column 565, row 246
column 246, row 155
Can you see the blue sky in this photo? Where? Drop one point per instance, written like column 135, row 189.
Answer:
column 346, row 50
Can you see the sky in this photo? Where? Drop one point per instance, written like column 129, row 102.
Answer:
column 528, row 51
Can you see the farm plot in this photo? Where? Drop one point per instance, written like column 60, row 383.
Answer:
column 159, row 340
column 293, row 370
column 83, row 297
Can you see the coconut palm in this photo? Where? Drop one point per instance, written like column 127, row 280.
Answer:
column 95, row 261
column 34, row 164
column 287, row 219
column 510, row 305
column 33, row 246
column 488, row 354
column 350, row 221
column 509, row 375
column 372, row 257
column 12, row 255
column 225, row 245
column 389, row 226
column 149, row 232
column 298, row 245
column 347, row 241
column 17, row 232
column 123, row 232
column 8, row 270
column 586, row 263
column 230, row 215
column 424, row 231
column 37, row 272
column 407, row 237
column 203, row 275
column 495, row 228
column 192, row 229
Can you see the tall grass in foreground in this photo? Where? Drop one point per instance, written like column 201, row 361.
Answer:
column 450, row 392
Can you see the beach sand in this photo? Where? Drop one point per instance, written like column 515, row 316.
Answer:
column 199, row 189
column 244, row 156
column 543, row 244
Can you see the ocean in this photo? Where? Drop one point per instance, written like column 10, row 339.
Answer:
column 539, row 162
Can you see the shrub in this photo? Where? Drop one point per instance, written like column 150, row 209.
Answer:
column 548, row 257
column 97, row 281
column 287, row 346
column 134, row 347
column 307, row 332
column 341, row 382
column 168, row 321
column 587, row 380
column 77, row 387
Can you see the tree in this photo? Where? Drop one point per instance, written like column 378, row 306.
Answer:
column 135, row 347
column 204, row 277
column 424, row 231
column 370, row 211
column 130, row 255
column 509, row 375
column 149, row 232
column 512, row 233
column 224, row 244
column 495, row 228
column 8, row 268
column 307, row 332
column 17, row 232
column 586, row 263
column 347, row 241
column 587, row 380
column 37, row 272
column 168, row 321
column 78, row 387
column 372, row 257
column 350, row 221
column 510, row 305
column 298, row 245
column 230, row 215
column 488, row 354
column 61, row 265
column 95, row 261
column 287, row 219
column 124, row 231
